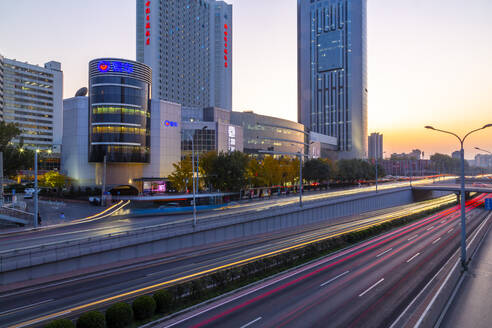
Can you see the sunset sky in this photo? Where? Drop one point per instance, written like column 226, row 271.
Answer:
column 430, row 61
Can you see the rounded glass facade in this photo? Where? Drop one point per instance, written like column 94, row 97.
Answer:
column 119, row 104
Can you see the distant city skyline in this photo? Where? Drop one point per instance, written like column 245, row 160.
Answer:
column 426, row 59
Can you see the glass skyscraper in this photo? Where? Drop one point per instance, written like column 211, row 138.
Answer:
column 332, row 72
column 188, row 45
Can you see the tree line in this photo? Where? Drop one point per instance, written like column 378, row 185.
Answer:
column 235, row 171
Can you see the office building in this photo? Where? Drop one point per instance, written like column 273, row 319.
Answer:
column 31, row 96
column 75, row 145
column 270, row 134
column 188, row 45
column 211, row 129
column 118, row 123
column 456, row 154
column 375, row 146
column 332, row 72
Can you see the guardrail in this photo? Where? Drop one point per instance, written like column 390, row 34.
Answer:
column 18, row 214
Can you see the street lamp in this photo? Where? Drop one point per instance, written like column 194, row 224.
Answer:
column 462, row 155
column 36, row 205
column 483, row 150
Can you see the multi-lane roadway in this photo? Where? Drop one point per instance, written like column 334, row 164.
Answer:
column 73, row 295
column 105, row 224
column 367, row 285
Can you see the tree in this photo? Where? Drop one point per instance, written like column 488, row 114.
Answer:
column 446, row 164
column 207, row 164
column 316, row 170
column 53, row 179
column 271, row 172
column 230, row 171
column 253, row 173
column 8, row 131
column 14, row 157
column 181, row 178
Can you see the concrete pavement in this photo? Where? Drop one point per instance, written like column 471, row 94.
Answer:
column 471, row 308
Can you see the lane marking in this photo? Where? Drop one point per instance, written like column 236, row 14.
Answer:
column 386, row 251
column 252, row 322
column 34, row 321
column 334, row 278
column 449, row 231
column 25, row 307
column 412, row 238
column 435, row 241
column 367, row 290
column 430, row 228
column 443, row 221
column 410, row 259
column 387, row 237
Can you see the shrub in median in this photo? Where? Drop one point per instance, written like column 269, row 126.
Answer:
column 163, row 301
column 119, row 315
column 92, row 319
column 60, row 323
column 143, row 307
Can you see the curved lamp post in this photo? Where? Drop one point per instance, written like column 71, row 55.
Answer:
column 463, row 216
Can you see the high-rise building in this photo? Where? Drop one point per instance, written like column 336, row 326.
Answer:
column 1, row 88
column 188, row 45
column 375, row 146
column 32, row 97
column 332, row 71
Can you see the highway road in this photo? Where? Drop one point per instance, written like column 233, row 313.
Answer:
column 365, row 286
column 104, row 225
column 78, row 294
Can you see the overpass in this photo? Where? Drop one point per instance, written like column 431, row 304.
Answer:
column 456, row 188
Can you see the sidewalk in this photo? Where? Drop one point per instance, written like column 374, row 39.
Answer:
column 472, row 306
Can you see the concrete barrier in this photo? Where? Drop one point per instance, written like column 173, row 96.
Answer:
column 62, row 257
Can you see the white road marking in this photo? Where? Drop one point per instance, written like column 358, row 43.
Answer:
column 386, row 251
column 25, row 307
column 435, row 241
column 430, row 228
column 449, row 231
column 443, row 221
column 410, row 259
column 413, row 237
column 252, row 322
column 367, row 290
column 334, row 278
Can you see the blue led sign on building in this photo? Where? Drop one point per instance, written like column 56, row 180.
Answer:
column 115, row 66
column 170, row 124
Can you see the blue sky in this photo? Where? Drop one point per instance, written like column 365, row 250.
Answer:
column 429, row 61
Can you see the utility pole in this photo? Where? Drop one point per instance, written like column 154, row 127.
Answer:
column 103, row 202
column 36, row 206
column 300, row 178
column 377, row 173
column 1, row 179
column 193, row 177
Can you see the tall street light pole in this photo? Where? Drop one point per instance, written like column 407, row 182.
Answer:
column 483, row 150
column 36, row 206
column 463, row 200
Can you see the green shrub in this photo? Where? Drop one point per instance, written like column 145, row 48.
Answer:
column 163, row 301
column 92, row 319
column 60, row 323
column 119, row 315
column 143, row 307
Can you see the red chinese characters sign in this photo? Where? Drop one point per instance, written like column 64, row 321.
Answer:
column 226, row 52
column 147, row 22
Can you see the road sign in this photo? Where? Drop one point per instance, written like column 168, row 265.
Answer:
column 488, row 204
